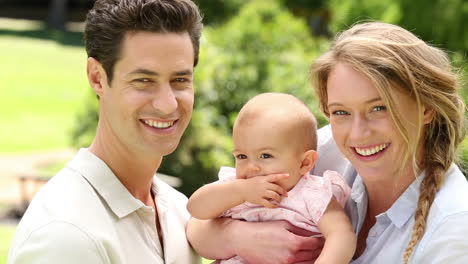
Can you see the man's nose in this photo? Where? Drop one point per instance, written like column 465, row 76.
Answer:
column 165, row 101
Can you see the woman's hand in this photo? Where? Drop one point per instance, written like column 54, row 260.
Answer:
column 275, row 242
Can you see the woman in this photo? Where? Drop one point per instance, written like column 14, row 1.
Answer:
column 396, row 116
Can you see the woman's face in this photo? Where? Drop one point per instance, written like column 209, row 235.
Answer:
column 362, row 125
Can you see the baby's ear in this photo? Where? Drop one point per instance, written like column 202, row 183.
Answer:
column 308, row 161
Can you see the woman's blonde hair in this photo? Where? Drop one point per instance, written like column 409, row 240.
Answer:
column 393, row 58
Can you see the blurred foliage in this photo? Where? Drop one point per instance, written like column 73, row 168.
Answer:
column 255, row 46
column 440, row 22
column 218, row 11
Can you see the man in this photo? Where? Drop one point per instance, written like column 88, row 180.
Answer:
column 106, row 206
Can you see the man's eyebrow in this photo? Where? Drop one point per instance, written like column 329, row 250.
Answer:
column 184, row 73
column 143, row 71
column 150, row 72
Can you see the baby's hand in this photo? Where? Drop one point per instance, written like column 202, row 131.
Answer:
column 263, row 190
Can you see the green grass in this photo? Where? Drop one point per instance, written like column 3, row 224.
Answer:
column 43, row 85
column 6, row 235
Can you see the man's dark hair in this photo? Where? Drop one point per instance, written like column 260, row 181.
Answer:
column 109, row 20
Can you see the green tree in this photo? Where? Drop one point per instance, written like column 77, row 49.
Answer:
column 440, row 22
column 218, row 11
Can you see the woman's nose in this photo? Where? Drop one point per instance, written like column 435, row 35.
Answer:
column 359, row 128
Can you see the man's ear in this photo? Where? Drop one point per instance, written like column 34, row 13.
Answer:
column 96, row 76
column 309, row 158
column 428, row 115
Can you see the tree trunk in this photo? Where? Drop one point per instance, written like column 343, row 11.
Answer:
column 57, row 14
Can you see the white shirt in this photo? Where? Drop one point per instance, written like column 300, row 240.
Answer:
column 446, row 237
column 85, row 215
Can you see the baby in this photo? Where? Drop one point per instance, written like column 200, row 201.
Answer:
column 274, row 148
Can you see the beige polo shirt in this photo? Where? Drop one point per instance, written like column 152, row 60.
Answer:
column 85, row 215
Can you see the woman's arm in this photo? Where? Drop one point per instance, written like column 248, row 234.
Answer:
column 340, row 239
column 261, row 242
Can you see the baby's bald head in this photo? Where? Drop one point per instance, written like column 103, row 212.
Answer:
column 282, row 112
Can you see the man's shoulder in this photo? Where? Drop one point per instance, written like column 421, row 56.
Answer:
column 67, row 191
column 56, row 242
column 65, row 213
column 66, row 198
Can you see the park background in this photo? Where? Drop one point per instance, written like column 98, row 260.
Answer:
column 248, row 46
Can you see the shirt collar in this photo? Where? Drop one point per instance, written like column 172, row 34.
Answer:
column 159, row 190
column 404, row 207
column 104, row 181
column 358, row 190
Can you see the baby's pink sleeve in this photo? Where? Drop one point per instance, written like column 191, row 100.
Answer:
column 340, row 189
column 226, row 174
column 321, row 190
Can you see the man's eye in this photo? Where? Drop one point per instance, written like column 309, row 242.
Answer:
column 340, row 112
column 241, row 156
column 265, row 156
column 142, row 80
column 181, row 80
column 379, row 108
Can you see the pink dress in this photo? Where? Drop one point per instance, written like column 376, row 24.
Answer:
column 303, row 206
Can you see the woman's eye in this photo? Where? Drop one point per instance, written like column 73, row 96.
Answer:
column 340, row 112
column 379, row 108
column 241, row 156
column 265, row 156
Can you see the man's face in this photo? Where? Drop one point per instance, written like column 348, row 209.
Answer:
column 150, row 99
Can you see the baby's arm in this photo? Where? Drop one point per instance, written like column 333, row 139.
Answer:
column 340, row 239
column 211, row 200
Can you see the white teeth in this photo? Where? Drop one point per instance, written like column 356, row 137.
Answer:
column 371, row 151
column 158, row 124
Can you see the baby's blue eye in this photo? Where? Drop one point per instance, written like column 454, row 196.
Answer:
column 265, row 156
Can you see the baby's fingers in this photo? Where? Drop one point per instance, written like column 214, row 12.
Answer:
column 277, row 177
column 267, row 203
column 278, row 189
column 272, row 196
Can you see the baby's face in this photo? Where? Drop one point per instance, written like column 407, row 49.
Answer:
column 263, row 148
